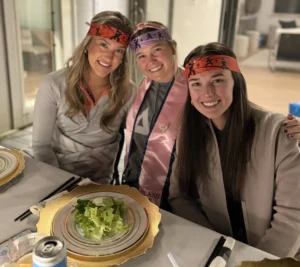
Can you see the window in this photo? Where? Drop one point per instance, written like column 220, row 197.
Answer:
column 287, row 6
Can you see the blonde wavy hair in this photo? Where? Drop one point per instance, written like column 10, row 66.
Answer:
column 78, row 66
column 172, row 43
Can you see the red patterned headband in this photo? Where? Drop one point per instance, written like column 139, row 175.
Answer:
column 109, row 32
column 202, row 64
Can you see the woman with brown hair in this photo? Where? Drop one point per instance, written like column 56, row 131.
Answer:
column 151, row 125
column 235, row 170
column 79, row 109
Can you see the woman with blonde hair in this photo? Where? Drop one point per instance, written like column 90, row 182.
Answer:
column 80, row 108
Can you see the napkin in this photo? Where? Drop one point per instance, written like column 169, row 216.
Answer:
column 224, row 254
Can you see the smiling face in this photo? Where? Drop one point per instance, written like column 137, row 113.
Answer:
column 104, row 55
column 156, row 61
column 212, row 94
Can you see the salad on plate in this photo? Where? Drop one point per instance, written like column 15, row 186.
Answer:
column 101, row 217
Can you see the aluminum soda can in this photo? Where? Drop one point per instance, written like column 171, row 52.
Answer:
column 50, row 252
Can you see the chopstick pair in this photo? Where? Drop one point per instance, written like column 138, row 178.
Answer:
column 68, row 185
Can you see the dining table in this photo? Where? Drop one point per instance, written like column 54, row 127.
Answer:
column 179, row 242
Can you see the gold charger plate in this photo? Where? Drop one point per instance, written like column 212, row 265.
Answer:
column 49, row 212
column 17, row 170
column 286, row 262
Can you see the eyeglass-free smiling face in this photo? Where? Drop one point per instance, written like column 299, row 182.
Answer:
column 104, row 55
column 156, row 61
column 212, row 94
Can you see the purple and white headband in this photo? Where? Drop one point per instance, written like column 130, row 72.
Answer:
column 148, row 38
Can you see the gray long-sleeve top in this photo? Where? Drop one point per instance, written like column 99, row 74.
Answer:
column 76, row 144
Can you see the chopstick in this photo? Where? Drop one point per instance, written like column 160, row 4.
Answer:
column 57, row 190
column 216, row 250
column 74, row 184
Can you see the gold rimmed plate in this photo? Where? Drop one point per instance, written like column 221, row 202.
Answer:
column 64, row 226
column 50, row 212
column 12, row 164
column 8, row 163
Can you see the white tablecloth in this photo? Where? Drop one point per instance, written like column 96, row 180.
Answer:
column 39, row 179
column 189, row 244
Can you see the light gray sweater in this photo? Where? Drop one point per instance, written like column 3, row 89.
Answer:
column 76, row 144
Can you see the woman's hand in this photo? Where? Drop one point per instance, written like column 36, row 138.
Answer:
column 291, row 127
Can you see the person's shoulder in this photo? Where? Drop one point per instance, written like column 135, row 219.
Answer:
column 53, row 84
column 268, row 122
column 181, row 71
column 56, row 77
column 265, row 116
column 181, row 75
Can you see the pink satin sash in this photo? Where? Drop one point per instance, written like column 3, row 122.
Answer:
column 161, row 141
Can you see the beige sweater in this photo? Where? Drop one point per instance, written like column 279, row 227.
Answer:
column 77, row 144
column 273, row 184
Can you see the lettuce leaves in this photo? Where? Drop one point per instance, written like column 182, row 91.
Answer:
column 101, row 217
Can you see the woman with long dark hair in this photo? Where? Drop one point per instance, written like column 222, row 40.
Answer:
column 235, row 171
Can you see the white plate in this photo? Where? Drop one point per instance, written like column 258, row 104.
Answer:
column 65, row 227
column 8, row 163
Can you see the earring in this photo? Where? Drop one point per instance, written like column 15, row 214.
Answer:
column 192, row 102
column 85, row 51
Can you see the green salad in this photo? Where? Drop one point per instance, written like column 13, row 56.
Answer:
column 101, row 217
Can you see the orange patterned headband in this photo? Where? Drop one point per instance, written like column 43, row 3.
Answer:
column 109, row 32
column 198, row 65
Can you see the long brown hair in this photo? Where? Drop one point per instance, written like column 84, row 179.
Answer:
column 78, row 65
column 196, row 139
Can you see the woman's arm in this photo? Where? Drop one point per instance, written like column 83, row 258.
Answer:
column 283, row 237
column 44, row 121
column 182, row 205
